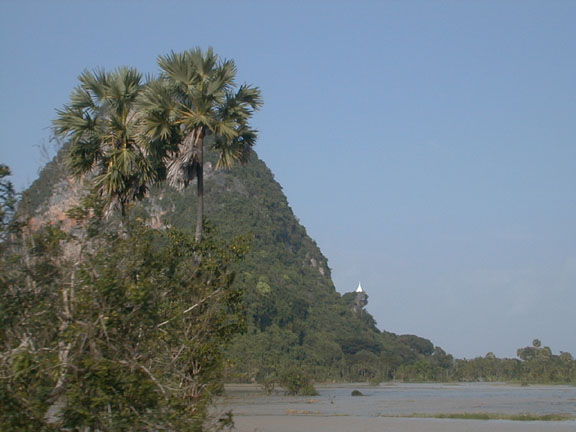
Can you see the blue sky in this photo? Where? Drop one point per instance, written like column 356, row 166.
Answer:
column 427, row 146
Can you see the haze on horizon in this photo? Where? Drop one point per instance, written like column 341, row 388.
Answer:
column 427, row 147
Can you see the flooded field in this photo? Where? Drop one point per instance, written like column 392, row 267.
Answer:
column 399, row 407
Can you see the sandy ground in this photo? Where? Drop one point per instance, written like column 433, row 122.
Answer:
column 372, row 424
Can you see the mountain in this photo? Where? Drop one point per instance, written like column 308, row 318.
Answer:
column 295, row 316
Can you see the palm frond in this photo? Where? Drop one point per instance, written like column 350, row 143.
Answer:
column 102, row 124
column 96, row 83
column 225, row 74
column 83, row 156
column 224, row 128
column 238, row 149
column 81, row 99
column 156, row 106
column 249, row 95
column 175, row 67
column 71, row 121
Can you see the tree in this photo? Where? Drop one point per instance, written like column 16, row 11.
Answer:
column 100, row 123
column 297, row 382
column 114, row 333
column 192, row 103
column 7, row 203
column 527, row 353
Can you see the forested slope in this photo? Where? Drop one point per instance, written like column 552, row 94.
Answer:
column 294, row 315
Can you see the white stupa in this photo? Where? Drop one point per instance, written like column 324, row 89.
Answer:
column 359, row 289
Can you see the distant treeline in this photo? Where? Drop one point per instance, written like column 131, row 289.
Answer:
column 327, row 340
column 535, row 364
column 404, row 358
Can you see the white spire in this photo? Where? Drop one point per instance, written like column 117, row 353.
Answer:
column 359, row 289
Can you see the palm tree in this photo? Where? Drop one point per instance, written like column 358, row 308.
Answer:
column 100, row 123
column 196, row 104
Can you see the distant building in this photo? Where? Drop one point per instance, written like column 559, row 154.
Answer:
column 360, row 301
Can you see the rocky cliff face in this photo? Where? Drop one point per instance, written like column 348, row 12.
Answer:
column 360, row 302
column 48, row 199
column 245, row 200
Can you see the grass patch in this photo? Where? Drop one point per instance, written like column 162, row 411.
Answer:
column 493, row 416
column 301, row 412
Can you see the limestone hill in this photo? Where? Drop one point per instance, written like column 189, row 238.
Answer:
column 295, row 316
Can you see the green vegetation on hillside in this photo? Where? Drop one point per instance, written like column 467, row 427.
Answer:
column 294, row 316
column 7, row 201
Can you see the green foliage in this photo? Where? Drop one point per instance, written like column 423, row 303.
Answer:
column 536, row 365
column 115, row 332
column 8, row 200
column 417, row 344
column 101, row 126
column 296, row 382
column 194, row 103
column 293, row 314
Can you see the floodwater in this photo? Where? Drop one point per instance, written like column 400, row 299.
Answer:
column 336, row 410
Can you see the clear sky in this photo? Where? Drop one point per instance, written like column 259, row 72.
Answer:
column 429, row 147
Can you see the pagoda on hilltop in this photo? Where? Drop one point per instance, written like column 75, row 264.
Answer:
column 360, row 300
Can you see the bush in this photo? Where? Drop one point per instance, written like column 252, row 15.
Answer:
column 296, row 382
column 115, row 332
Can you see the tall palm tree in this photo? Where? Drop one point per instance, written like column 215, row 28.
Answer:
column 196, row 104
column 100, row 123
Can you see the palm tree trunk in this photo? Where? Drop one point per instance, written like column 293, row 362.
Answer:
column 200, row 186
column 200, row 208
